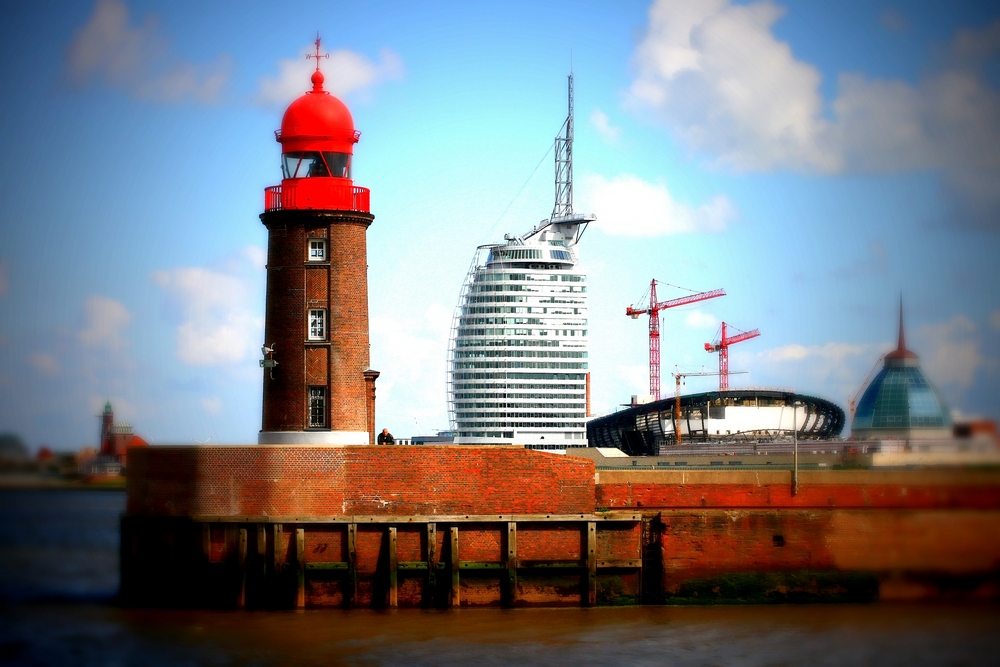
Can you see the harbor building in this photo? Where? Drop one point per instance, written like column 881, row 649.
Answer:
column 517, row 359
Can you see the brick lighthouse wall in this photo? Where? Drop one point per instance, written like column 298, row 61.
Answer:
column 296, row 285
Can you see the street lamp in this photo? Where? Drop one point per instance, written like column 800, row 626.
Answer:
column 795, row 447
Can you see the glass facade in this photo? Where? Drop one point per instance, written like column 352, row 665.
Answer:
column 898, row 398
column 518, row 357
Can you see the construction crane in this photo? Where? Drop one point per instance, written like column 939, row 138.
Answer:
column 677, row 398
column 722, row 347
column 654, row 327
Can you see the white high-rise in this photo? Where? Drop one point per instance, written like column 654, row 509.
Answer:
column 517, row 367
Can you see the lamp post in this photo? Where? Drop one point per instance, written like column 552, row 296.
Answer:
column 795, row 448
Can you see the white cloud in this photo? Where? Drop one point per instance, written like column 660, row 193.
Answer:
column 106, row 321
column 44, row 363
column 212, row 405
column 629, row 206
column 219, row 326
column 255, row 255
column 949, row 351
column 108, row 47
column 345, row 72
column 698, row 319
column 610, row 133
column 831, row 353
column 715, row 72
column 636, row 377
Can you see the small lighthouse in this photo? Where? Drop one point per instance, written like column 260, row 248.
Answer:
column 318, row 387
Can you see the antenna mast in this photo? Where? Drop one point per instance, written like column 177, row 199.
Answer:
column 564, row 164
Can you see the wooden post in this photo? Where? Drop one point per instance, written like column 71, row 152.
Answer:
column 393, row 599
column 432, row 558
column 300, row 558
column 242, row 601
column 455, row 600
column 279, row 540
column 592, row 563
column 352, row 564
column 206, row 541
column 262, row 548
column 511, row 563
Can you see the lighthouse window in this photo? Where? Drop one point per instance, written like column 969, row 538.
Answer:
column 311, row 164
column 317, row 250
column 317, row 324
column 317, row 407
column 339, row 164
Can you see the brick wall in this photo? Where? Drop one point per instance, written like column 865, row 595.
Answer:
column 326, row 481
column 294, row 286
column 656, row 489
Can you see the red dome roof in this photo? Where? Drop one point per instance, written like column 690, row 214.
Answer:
column 317, row 121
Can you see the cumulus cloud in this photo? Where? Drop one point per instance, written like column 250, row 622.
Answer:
column 701, row 320
column 218, row 324
column 111, row 49
column 345, row 72
column 44, row 363
column 629, row 206
column 105, row 323
column 718, row 76
column 950, row 351
column 610, row 133
column 212, row 405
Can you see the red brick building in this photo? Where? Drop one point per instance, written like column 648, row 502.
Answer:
column 318, row 387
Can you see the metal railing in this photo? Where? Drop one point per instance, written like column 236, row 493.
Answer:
column 341, row 198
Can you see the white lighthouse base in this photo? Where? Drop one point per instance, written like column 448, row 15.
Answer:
column 312, row 438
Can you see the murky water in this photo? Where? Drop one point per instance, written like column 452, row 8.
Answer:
column 58, row 578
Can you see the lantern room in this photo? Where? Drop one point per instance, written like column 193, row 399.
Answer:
column 317, row 138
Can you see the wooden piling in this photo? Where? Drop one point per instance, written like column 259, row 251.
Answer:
column 511, row 563
column 592, row 563
column 393, row 566
column 300, row 569
column 454, row 562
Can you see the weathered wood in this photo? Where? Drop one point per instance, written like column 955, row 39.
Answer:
column 331, row 565
column 482, row 565
column 300, row 570
column 620, row 563
column 511, row 562
column 206, row 541
column 432, row 561
column 611, row 516
column 352, row 563
column 242, row 600
column 592, row 564
column 393, row 591
column 278, row 541
column 454, row 562
column 411, row 565
column 262, row 548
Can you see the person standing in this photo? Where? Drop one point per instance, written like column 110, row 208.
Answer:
column 385, row 438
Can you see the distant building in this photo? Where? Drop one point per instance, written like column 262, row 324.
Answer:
column 900, row 403
column 115, row 441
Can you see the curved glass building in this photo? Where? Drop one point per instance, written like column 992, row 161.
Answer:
column 900, row 402
column 517, row 359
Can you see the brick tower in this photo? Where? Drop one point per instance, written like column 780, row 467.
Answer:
column 318, row 388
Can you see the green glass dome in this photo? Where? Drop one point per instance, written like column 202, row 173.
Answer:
column 900, row 402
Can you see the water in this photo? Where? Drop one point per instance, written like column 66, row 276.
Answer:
column 59, row 575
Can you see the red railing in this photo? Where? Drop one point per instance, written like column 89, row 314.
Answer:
column 317, row 193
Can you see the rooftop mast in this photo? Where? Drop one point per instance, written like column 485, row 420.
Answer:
column 564, row 164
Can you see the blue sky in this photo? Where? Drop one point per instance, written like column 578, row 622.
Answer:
column 815, row 161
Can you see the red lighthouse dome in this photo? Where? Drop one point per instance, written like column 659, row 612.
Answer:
column 317, row 138
column 317, row 121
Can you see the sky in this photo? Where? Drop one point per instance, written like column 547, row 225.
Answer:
column 815, row 160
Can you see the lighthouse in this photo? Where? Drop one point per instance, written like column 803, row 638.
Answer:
column 318, row 387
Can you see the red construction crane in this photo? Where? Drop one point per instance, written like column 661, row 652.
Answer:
column 654, row 327
column 722, row 347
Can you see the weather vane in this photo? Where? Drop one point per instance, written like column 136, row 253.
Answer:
column 318, row 55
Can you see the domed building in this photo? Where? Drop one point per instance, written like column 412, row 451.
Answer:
column 900, row 403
